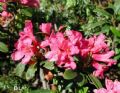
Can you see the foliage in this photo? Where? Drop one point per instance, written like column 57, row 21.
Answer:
column 90, row 17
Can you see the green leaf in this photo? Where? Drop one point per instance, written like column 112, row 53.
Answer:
column 49, row 65
column 31, row 72
column 69, row 85
column 19, row 69
column 69, row 74
column 26, row 12
column 115, row 31
column 3, row 47
column 93, row 25
column 102, row 12
column 81, row 80
column 118, row 65
column 116, row 6
column 95, row 81
column 70, row 3
column 40, row 91
column 117, row 57
column 83, row 90
column 75, row 58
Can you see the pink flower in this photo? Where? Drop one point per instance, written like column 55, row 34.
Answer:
column 111, row 87
column 5, row 14
column 31, row 3
column 25, row 48
column 117, row 86
column 45, row 28
column 6, row 18
column 102, row 90
column 100, row 69
column 62, row 49
column 2, row 0
column 105, row 57
column 98, row 50
column 99, row 43
column 74, row 36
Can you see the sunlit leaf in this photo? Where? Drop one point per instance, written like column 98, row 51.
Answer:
column 49, row 65
column 83, row 90
column 69, row 74
column 19, row 69
column 31, row 72
column 115, row 31
column 95, row 81
column 70, row 3
column 3, row 47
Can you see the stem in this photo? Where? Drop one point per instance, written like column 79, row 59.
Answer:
column 44, row 84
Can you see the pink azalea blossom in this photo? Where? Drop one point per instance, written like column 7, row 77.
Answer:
column 105, row 57
column 97, row 48
column 31, row 3
column 63, row 46
column 62, row 49
column 25, row 48
column 74, row 36
column 2, row 0
column 111, row 87
column 99, row 44
column 45, row 28
column 5, row 14
column 100, row 69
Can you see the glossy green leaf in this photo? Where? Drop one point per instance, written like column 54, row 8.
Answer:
column 3, row 47
column 115, row 31
column 19, row 69
column 49, row 65
column 31, row 72
column 95, row 81
column 83, row 90
column 69, row 74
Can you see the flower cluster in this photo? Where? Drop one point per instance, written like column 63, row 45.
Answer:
column 26, row 46
column 99, row 52
column 61, row 48
column 111, row 87
column 64, row 46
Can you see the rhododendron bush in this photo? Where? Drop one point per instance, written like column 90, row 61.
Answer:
column 59, row 46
